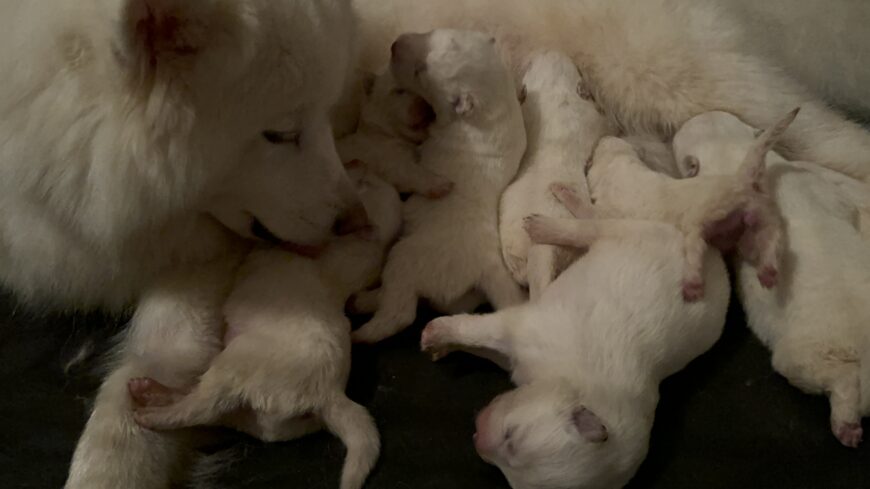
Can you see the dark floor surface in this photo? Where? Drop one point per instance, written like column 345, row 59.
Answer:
column 727, row 421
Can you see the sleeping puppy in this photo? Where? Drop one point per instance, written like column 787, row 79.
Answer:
column 563, row 125
column 393, row 123
column 726, row 211
column 285, row 364
column 817, row 322
column 589, row 355
column 451, row 246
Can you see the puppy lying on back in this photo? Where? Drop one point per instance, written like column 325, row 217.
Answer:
column 393, row 123
column 285, row 364
column 726, row 211
column 563, row 125
column 451, row 246
column 817, row 322
column 589, row 355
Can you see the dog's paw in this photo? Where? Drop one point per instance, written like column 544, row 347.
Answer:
column 147, row 392
column 539, row 228
column 371, row 333
column 439, row 190
column 768, row 276
column 434, row 339
column 693, row 290
column 850, row 434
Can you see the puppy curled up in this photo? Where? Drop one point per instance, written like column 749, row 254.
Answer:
column 286, row 360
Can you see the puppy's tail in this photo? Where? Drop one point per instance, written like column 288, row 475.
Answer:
column 351, row 423
column 754, row 165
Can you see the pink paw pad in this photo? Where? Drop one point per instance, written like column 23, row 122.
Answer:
column 432, row 340
column 440, row 191
column 693, row 290
column 148, row 392
column 850, row 434
column 768, row 276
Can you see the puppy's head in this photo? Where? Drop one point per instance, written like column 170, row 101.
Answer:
column 394, row 110
column 544, row 436
column 718, row 139
column 460, row 73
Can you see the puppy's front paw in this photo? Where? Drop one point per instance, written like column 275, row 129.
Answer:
column 850, row 434
column 370, row 334
column 147, row 392
column 434, row 339
column 693, row 290
column 539, row 228
column 440, row 189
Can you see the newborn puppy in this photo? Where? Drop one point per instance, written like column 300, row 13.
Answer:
column 589, row 355
column 817, row 322
column 726, row 211
column 393, row 123
column 562, row 128
column 286, row 361
column 450, row 246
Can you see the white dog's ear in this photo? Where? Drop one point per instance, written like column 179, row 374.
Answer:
column 691, row 166
column 589, row 425
column 172, row 33
column 464, row 104
column 524, row 93
column 369, row 83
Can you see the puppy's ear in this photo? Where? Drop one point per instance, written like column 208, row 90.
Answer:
column 691, row 166
column 171, row 34
column 464, row 104
column 589, row 425
column 524, row 93
column 369, row 83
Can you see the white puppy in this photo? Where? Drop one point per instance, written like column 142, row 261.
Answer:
column 721, row 210
column 817, row 323
column 451, row 246
column 563, row 128
column 286, row 360
column 588, row 357
column 393, row 123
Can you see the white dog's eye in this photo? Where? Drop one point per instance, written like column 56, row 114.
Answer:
column 283, row 137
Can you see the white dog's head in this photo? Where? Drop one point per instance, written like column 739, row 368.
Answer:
column 720, row 139
column 394, row 110
column 222, row 105
column 460, row 73
column 543, row 436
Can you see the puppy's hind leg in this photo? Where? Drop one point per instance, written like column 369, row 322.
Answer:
column 694, row 249
column 353, row 424
column 365, row 302
column 205, row 405
column 541, row 269
column 482, row 335
column 578, row 203
column 398, row 299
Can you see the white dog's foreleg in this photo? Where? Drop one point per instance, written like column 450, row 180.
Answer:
column 176, row 331
column 482, row 335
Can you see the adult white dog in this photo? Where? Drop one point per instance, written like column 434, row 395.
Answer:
column 654, row 64
column 123, row 119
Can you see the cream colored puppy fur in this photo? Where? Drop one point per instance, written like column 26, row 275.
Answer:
column 123, row 122
column 733, row 208
column 817, row 323
column 393, row 123
column 652, row 65
column 451, row 246
column 562, row 130
column 588, row 357
column 286, row 358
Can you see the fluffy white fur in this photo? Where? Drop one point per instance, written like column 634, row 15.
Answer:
column 651, row 64
column 562, row 129
column 393, row 123
column 817, row 323
column 451, row 246
column 706, row 209
column 286, row 359
column 123, row 123
column 589, row 355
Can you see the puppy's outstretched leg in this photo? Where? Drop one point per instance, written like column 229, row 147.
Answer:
column 206, row 404
column 817, row 368
column 482, row 335
column 398, row 300
column 694, row 249
column 352, row 423
column 582, row 233
column 579, row 204
column 173, row 336
column 365, row 302
column 541, row 269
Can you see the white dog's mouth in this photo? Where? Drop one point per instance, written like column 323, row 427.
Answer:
column 261, row 232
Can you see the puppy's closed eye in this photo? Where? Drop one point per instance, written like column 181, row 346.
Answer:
column 283, row 137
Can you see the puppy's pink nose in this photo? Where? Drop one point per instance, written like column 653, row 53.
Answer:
column 355, row 220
